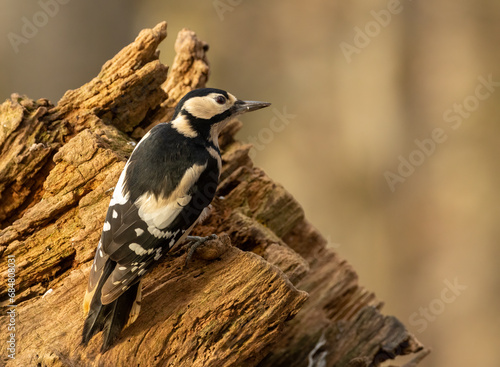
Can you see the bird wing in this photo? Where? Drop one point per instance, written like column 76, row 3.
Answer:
column 141, row 225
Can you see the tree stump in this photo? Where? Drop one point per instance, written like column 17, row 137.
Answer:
column 269, row 292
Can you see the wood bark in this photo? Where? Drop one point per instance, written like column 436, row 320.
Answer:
column 269, row 292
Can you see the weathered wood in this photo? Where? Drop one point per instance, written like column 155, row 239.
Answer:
column 268, row 293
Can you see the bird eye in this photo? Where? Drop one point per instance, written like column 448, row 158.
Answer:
column 220, row 99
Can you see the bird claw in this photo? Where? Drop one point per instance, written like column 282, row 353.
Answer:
column 196, row 241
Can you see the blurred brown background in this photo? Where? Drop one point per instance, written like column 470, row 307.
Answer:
column 357, row 83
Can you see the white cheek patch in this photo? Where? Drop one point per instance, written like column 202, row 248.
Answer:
column 232, row 99
column 206, row 107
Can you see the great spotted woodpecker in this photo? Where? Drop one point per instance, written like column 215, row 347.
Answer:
column 164, row 189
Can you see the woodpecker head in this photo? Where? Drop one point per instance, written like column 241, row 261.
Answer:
column 204, row 112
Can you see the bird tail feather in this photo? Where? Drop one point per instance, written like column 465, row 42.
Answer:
column 113, row 317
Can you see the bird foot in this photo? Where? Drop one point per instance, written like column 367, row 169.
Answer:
column 196, row 242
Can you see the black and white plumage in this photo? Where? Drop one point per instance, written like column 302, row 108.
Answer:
column 163, row 191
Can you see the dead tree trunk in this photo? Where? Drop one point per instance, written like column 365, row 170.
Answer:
column 270, row 293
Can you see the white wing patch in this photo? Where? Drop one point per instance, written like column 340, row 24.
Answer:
column 161, row 212
column 119, row 197
column 158, row 253
column 158, row 213
column 138, row 249
column 158, row 233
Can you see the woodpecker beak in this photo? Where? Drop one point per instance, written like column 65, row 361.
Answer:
column 247, row 106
